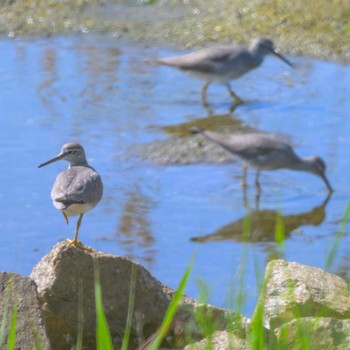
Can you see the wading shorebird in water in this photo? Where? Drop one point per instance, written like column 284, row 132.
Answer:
column 223, row 63
column 77, row 189
column 265, row 152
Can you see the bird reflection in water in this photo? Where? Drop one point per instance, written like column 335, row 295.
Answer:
column 263, row 225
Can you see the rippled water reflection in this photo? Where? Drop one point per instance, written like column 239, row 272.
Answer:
column 102, row 94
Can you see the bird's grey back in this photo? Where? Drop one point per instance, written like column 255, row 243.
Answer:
column 215, row 59
column 78, row 184
column 261, row 150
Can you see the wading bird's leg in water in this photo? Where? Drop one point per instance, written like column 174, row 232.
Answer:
column 236, row 98
column 244, row 175
column 204, row 93
column 258, row 189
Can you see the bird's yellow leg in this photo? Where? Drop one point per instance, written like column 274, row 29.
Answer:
column 75, row 241
column 237, row 99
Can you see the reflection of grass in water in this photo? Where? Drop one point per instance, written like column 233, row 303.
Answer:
column 256, row 335
column 214, row 122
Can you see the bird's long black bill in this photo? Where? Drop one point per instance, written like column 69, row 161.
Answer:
column 60, row 156
column 325, row 180
column 290, row 64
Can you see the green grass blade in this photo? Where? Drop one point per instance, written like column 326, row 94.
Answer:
column 279, row 231
column 130, row 307
column 103, row 335
column 240, row 294
column 247, row 226
column 256, row 334
column 37, row 341
column 204, row 291
column 340, row 234
column 259, row 274
column 168, row 318
column 11, row 343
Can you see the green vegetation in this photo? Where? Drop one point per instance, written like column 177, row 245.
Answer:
column 314, row 28
column 340, row 234
column 11, row 343
column 173, row 306
column 130, row 308
column 103, row 335
column 11, row 340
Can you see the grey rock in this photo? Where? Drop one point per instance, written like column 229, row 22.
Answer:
column 220, row 340
column 294, row 290
column 194, row 322
column 316, row 332
column 65, row 278
column 20, row 291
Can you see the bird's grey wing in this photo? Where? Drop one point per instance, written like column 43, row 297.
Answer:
column 233, row 59
column 77, row 185
column 216, row 59
column 257, row 148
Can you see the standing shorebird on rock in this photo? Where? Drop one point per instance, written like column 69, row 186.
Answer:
column 265, row 152
column 221, row 64
column 77, row 189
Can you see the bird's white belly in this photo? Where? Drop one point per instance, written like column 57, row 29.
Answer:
column 75, row 209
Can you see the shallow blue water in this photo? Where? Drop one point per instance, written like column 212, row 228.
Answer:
column 102, row 94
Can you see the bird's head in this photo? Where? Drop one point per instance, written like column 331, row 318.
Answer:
column 265, row 46
column 318, row 167
column 73, row 153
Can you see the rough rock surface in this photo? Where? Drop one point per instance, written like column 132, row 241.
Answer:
column 20, row 291
column 221, row 340
column 65, row 278
column 294, row 290
column 193, row 322
column 317, row 333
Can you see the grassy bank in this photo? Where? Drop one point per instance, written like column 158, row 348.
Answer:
column 313, row 28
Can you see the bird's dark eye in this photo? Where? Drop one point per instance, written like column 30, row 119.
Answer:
column 70, row 152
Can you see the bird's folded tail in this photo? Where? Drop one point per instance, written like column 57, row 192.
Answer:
column 68, row 201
